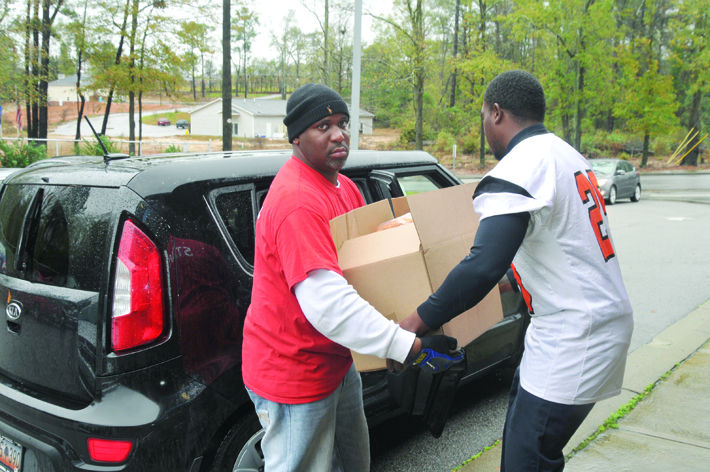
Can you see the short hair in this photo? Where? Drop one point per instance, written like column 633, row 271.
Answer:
column 519, row 92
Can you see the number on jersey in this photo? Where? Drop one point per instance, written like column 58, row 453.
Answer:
column 592, row 199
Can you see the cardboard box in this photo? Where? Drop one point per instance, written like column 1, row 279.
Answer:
column 398, row 268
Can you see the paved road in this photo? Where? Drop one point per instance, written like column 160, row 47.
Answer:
column 117, row 127
column 664, row 255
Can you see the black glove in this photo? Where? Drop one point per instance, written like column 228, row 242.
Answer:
column 438, row 353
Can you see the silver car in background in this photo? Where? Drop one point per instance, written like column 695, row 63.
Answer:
column 617, row 179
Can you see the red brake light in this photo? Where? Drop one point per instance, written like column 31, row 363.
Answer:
column 107, row 450
column 138, row 291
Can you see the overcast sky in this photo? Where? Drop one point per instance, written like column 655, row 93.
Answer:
column 272, row 14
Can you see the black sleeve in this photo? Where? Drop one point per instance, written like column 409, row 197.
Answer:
column 497, row 240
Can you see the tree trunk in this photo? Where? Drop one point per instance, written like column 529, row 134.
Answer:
column 33, row 116
column 226, row 77
column 644, row 155
column 610, row 121
column 482, row 149
column 194, row 88
column 580, row 108
column 202, row 60
column 326, row 64
column 244, row 66
column 236, row 82
column 566, row 131
column 28, row 64
column 117, row 61
column 452, row 97
column 419, row 104
column 132, row 80
column 694, row 124
column 82, row 99
column 47, row 20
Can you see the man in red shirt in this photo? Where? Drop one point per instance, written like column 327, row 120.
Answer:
column 304, row 317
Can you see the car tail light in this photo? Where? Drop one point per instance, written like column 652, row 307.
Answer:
column 107, row 450
column 138, row 316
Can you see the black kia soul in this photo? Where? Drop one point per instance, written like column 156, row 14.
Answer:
column 124, row 285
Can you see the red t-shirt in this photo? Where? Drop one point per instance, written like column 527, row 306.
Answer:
column 285, row 359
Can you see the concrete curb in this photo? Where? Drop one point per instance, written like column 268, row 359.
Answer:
column 644, row 366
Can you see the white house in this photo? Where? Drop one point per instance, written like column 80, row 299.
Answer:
column 62, row 90
column 252, row 117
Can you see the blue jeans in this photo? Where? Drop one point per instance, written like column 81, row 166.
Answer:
column 322, row 436
column 537, row 430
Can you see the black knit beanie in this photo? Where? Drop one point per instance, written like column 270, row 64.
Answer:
column 310, row 103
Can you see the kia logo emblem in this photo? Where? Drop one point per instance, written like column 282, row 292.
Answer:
column 13, row 310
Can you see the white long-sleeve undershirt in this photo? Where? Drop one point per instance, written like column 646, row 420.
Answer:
column 338, row 312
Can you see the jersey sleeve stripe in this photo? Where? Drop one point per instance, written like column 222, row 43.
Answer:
column 491, row 184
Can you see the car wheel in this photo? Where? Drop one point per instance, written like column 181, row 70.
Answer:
column 612, row 196
column 637, row 194
column 240, row 450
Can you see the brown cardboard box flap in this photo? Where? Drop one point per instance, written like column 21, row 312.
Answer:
column 358, row 222
column 449, row 208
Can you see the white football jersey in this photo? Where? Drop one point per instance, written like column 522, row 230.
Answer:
column 567, row 269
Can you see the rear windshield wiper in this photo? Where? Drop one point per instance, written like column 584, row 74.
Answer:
column 107, row 157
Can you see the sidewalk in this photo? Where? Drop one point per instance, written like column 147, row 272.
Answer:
column 669, row 429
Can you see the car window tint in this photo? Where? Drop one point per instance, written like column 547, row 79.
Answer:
column 412, row 184
column 235, row 207
column 603, row 168
column 50, row 254
column 11, row 222
column 69, row 239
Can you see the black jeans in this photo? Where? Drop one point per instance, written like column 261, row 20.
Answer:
column 536, row 430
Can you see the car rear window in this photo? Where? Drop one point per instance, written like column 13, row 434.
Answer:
column 54, row 235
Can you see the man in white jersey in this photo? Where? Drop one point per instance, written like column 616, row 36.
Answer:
column 543, row 216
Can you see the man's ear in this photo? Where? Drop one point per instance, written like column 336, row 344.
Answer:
column 497, row 113
column 296, row 141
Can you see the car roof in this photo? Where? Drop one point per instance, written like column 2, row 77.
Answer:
column 164, row 172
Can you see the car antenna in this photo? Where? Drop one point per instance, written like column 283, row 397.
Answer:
column 107, row 156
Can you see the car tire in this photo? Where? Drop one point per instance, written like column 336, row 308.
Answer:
column 612, row 196
column 637, row 194
column 240, row 450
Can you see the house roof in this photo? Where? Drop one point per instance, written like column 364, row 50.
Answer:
column 64, row 81
column 71, row 80
column 262, row 107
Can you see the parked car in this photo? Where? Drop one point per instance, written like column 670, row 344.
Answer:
column 617, row 179
column 183, row 124
column 163, row 122
column 125, row 282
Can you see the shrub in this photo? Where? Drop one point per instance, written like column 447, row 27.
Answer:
column 663, row 146
column 408, row 134
column 21, row 154
column 472, row 141
column 444, row 142
column 173, row 148
column 92, row 148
